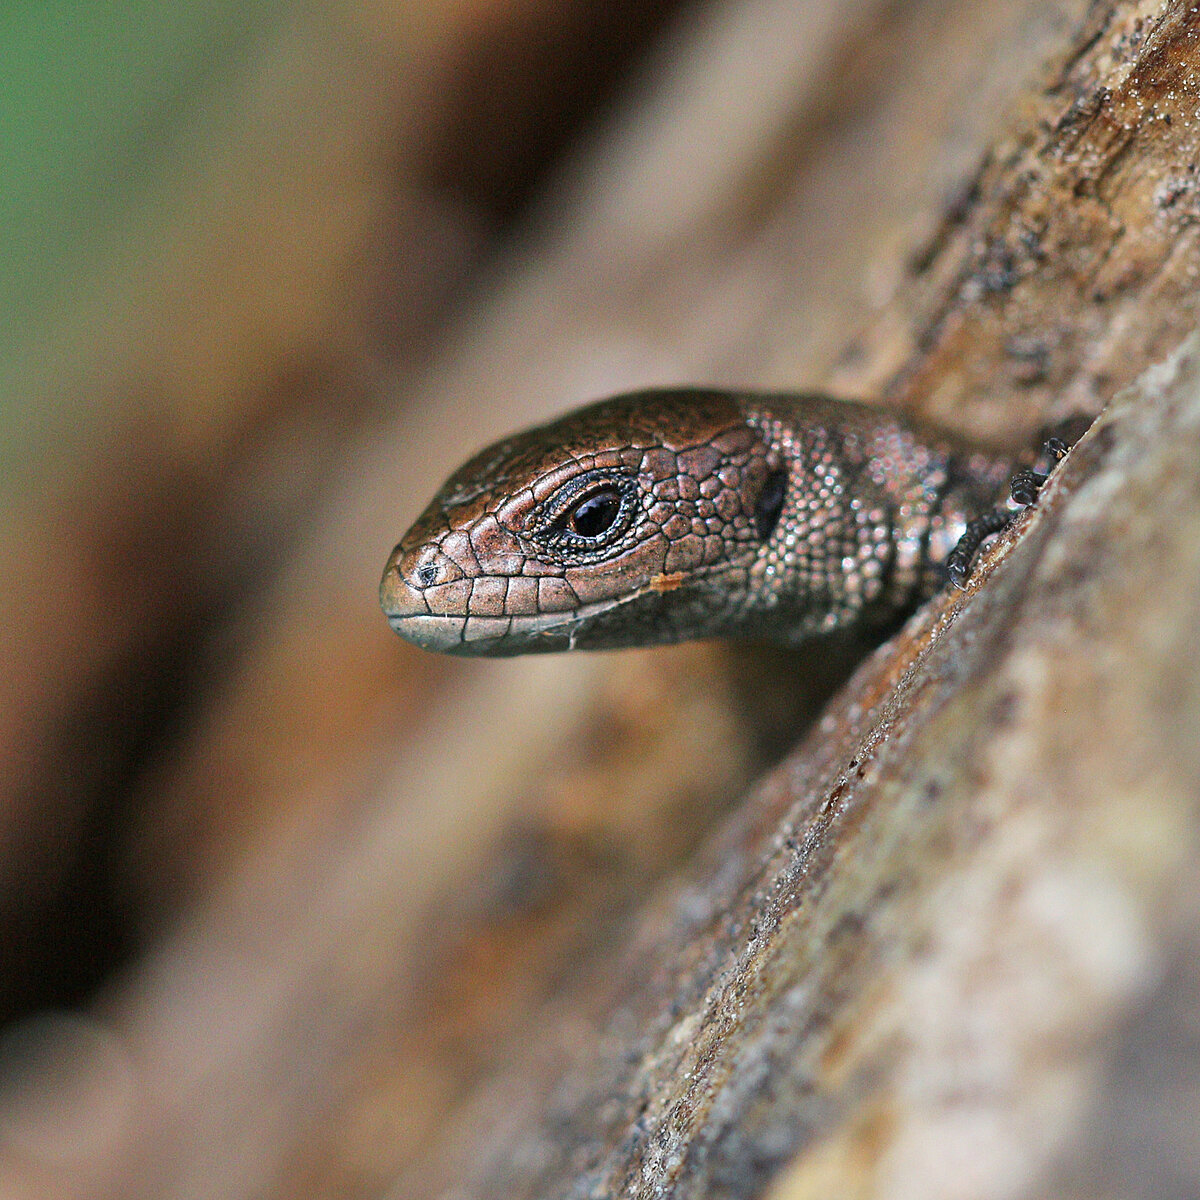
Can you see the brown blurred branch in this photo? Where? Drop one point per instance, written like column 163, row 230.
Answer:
column 440, row 947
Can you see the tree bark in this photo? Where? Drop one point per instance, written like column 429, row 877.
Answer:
column 949, row 948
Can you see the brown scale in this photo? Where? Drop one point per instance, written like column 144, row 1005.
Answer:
column 666, row 515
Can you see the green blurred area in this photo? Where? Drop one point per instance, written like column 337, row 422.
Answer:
column 97, row 104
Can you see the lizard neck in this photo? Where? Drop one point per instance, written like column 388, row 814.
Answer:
column 873, row 506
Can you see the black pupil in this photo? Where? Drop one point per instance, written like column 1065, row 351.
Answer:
column 596, row 514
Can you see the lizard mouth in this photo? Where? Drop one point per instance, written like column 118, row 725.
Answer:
column 496, row 636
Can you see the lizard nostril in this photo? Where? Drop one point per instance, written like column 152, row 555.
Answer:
column 423, row 567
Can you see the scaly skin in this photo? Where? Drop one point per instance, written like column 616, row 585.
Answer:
column 667, row 515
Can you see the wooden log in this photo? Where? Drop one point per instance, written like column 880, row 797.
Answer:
column 948, row 949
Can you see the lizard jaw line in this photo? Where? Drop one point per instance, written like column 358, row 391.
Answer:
column 473, row 635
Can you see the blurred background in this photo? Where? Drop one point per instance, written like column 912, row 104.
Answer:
column 256, row 278
column 238, row 235
column 274, row 886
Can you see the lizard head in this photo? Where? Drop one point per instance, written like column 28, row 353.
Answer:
column 607, row 527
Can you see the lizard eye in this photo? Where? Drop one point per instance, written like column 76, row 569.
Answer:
column 595, row 514
column 590, row 512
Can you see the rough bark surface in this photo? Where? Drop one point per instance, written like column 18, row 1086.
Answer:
column 950, row 944
column 903, row 966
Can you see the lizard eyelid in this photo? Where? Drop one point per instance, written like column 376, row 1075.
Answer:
column 591, row 510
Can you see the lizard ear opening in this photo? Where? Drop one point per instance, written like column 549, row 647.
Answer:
column 770, row 503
